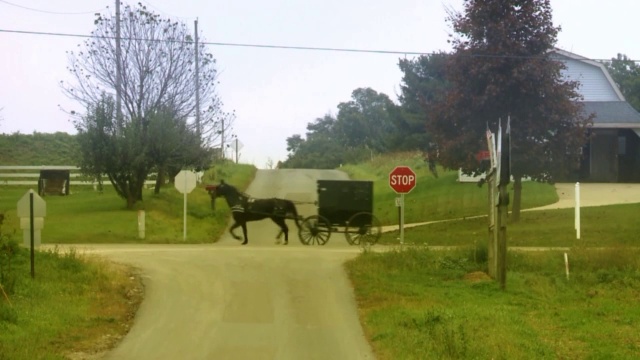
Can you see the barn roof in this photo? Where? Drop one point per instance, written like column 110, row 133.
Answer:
column 612, row 114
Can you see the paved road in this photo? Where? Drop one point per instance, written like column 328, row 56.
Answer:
column 260, row 301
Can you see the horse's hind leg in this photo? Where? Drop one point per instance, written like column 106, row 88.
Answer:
column 244, row 232
column 233, row 227
column 283, row 229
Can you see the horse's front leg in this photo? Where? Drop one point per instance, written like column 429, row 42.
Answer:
column 283, row 230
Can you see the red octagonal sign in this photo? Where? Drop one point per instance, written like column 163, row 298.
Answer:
column 402, row 179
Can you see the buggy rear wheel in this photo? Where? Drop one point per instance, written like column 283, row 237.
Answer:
column 315, row 230
column 363, row 229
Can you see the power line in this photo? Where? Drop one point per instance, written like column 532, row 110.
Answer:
column 51, row 12
column 280, row 47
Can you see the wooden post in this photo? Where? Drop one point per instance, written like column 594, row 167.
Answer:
column 502, row 235
column 493, row 218
column 491, row 249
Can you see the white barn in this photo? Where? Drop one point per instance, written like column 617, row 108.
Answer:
column 613, row 153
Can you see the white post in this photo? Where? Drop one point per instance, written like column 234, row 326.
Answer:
column 184, row 235
column 577, row 215
column 401, row 218
column 566, row 264
column 141, row 224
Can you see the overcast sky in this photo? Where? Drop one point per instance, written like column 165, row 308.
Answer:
column 274, row 92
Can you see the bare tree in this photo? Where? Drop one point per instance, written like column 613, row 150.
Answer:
column 157, row 73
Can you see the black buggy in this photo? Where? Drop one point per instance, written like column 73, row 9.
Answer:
column 343, row 206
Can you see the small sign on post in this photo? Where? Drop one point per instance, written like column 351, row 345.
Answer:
column 26, row 219
column 402, row 180
column 31, row 210
column 185, row 182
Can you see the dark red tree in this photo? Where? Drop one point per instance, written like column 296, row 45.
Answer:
column 500, row 68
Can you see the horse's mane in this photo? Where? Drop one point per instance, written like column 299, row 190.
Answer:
column 235, row 189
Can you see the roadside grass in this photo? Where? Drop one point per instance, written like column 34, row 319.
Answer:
column 417, row 303
column 73, row 305
column 90, row 217
column 602, row 226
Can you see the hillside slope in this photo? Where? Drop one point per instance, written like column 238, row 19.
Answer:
column 38, row 149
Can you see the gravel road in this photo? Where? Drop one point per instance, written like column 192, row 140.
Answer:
column 259, row 301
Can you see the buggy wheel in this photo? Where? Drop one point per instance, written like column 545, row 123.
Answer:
column 363, row 229
column 315, row 230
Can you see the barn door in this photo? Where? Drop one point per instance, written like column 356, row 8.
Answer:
column 604, row 156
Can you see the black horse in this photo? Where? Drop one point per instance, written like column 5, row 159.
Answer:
column 245, row 208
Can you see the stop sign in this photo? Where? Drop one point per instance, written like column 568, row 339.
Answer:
column 185, row 181
column 402, row 179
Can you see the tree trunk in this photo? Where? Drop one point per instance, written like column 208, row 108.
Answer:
column 131, row 201
column 517, row 198
column 159, row 180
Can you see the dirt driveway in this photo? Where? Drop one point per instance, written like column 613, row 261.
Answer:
column 594, row 194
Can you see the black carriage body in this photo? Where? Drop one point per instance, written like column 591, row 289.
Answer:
column 339, row 200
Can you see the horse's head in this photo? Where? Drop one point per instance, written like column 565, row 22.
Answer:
column 215, row 191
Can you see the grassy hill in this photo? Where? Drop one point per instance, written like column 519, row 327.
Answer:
column 38, row 149
column 434, row 198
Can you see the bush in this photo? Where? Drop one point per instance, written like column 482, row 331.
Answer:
column 8, row 250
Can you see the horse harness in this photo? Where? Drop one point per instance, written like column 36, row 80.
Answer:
column 245, row 203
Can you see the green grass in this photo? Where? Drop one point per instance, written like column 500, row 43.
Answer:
column 424, row 304
column 88, row 216
column 72, row 304
column 614, row 225
column 38, row 149
column 419, row 303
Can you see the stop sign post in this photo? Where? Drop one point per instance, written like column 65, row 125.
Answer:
column 185, row 182
column 402, row 180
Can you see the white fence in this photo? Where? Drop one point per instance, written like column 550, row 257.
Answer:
column 29, row 175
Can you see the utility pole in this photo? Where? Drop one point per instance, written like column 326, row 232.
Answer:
column 498, row 177
column 198, row 128
column 118, row 71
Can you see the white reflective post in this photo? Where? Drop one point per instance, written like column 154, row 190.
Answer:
column 577, row 213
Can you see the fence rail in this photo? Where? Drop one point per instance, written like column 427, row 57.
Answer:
column 18, row 175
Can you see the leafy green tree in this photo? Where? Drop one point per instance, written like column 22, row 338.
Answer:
column 423, row 82
column 293, row 143
column 157, row 86
column 365, row 120
column 117, row 150
column 500, row 69
column 626, row 73
column 319, row 150
column 175, row 146
column 363, row 126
